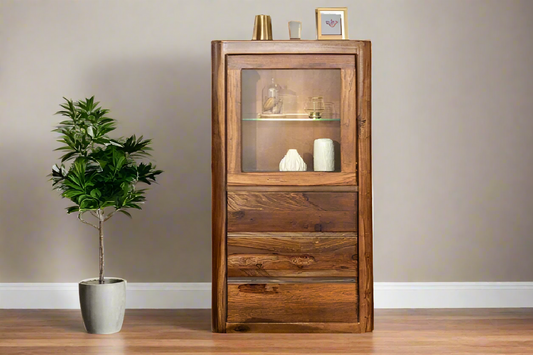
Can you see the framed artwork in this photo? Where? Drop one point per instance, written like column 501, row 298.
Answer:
column 331, row 23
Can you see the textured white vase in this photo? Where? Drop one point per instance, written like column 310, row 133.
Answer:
column 292, row 161
column 324, row 155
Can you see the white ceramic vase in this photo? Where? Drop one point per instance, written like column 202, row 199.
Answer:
column 323, row 155
column 292, row 161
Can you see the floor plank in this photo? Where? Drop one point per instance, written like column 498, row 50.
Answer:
column 462, row 331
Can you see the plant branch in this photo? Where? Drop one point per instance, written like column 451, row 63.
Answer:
column 111, row 214
column 100, row 214
column 94, row 214
column 84, row 221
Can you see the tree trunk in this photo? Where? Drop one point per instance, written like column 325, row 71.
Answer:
column 100, row 214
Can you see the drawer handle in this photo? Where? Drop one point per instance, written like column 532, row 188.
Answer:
column 304, row 260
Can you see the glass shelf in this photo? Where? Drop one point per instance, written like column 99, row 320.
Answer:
column 292, row 119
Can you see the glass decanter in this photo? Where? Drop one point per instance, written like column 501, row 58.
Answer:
column 272, row 101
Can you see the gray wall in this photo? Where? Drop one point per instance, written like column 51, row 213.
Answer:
column 452, row 132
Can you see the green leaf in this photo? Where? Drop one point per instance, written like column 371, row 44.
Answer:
column 126, row 213
column 72, row 193
column 102, row 163
column 108, row 204
column 103, row 171
column 73, row 209
column 75, row 180
column 134, row 205
column 120, row 163
column 115, row 143
column 68, row 156
column 72, row 185
column 63, row 148
column 96, row 193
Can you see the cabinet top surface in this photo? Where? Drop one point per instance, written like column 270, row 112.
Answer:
column 293, row 43
column 292, row 46
column 296, row 42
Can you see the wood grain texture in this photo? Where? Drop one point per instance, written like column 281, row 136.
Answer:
column 283, row 61
column 233, row 119
column 289, row 280
column 293, row 234
column 292, row 47
column 292, row 201
column 281, row 212
column 304, row 274
column 292, row 256
column 218, row 189
column 348, row 124
column 277, row 221
column 285, row 216
column 238, row 189
column 366, row 279
column 271, row 303
column 187, row 332
column 314, row 327
column 291, row 178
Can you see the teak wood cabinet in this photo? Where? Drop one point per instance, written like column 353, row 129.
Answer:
column 292, row 250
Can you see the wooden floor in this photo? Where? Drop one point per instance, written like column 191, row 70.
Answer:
column 413, row 332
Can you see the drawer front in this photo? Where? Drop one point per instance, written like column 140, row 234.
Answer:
column 292, row 302
column 292, row 254
column 292, row 211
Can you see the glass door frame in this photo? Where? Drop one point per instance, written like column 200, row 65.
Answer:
column 346, row 63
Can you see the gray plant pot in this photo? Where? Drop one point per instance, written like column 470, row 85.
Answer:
column 102, row 305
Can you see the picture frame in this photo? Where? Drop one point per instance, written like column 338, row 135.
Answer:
column 331, row 23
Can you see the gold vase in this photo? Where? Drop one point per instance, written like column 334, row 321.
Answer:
column 262, row 28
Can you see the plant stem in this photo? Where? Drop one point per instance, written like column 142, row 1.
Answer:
column 109, row 215
column 100, row 214
column 84, row 221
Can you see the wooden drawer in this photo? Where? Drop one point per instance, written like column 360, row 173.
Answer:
column 292, row 302
column 292, row 254
column 292, row 211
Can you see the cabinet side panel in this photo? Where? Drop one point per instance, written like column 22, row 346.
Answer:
column 366, row 279
column 218, row 189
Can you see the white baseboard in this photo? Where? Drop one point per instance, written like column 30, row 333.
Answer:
column 453, row 294
column 138, row 295
column 198, row 295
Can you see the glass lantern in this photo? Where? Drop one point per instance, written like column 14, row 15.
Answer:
column 315, row 106
column 272, row 101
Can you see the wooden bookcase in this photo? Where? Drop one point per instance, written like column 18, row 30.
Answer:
column 292, row 251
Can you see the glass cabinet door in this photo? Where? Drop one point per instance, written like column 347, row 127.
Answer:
column 290, row 109
column 291, row 120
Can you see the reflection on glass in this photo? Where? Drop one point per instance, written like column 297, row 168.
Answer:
column 288, row 109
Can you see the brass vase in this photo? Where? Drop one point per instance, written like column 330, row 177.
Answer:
column 262, row 28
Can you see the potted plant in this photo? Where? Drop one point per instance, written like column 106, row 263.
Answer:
column 101, row 180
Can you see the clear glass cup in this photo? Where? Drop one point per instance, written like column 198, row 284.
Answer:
column 315, row 106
